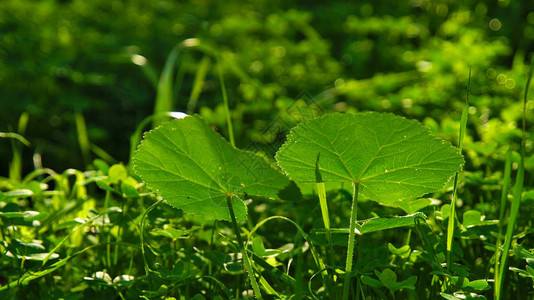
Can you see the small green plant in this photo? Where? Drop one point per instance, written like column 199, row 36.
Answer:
column 386, row 158
column 195, row 169
column 388, row 279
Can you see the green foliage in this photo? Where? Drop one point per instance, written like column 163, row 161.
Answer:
column 79, row 77
column 388, row 279
column 391, row 158
column 195, row 169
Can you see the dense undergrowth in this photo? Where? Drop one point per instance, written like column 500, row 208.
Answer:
column 76, row 223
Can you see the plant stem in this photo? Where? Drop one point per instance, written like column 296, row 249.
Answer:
column 517, row 192
column 350, row 249
column 164, row 98
column 226, row 106
column 452, row 215
column 504, row 198
column 108, row 230
column 246, row 260
column 142, row 236
column 328, row 234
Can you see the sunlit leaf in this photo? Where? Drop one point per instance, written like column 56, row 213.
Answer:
column 193, row 168
column 411, row 206
column 390, row 157
column 480, row 284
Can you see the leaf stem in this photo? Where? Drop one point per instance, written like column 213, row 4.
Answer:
column 246, row 260
column 350, row 249
column 142, row 236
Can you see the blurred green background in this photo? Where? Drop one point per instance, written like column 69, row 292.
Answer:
column 102, row 59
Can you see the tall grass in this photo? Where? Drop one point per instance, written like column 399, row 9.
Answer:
column 164, row 98
column 350, row 248
column 321, row 192
column 15, row 168
column 198, row 83
column 452, row 215
column 516, row 201
column 83, row 137
column 504, row 197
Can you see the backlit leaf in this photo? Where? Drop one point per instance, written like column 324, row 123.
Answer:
column 193, row 168
column 391, row 157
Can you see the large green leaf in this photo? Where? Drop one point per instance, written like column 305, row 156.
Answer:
column 193, row 168
column 391, row 158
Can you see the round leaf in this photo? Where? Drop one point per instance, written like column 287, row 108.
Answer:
column 391, row 158
column 193, row 168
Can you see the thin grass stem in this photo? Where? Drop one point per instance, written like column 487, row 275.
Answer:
column 504, row 198
column 452, row 216
column 226, row 106
column 517, row 191
column 83, row 138
column 198, row 84
column 164, row 98
column 246, row 260
column 142, row 235
column 350, row 248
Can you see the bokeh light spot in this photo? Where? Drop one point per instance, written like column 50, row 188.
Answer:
column 495, row 24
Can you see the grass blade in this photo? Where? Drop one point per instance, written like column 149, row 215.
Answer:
column 504, row 198
column 164, row 100
column 246, row 259
column 315, row 254
column 452, row 217
column 350, row 249
column 226, row 106
column 321, row 191
column 198, row 84
column 516, row 201
column 15, row 168
column 83, row 137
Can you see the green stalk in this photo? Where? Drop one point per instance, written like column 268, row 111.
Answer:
column 118, row 237
column 164, row 99
column 83, row 138
column 504, row 198
column 452, row 216
column 180, row 74
column 142, row 236
column 15, row 168
column 514, row 212
column 321, row 192
column 246, row 260
column 13, row 135
column 108, row 231
column 317, row 259
column 518, row 190
column 350, row 248
column 198, row 84
column 226, row 106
